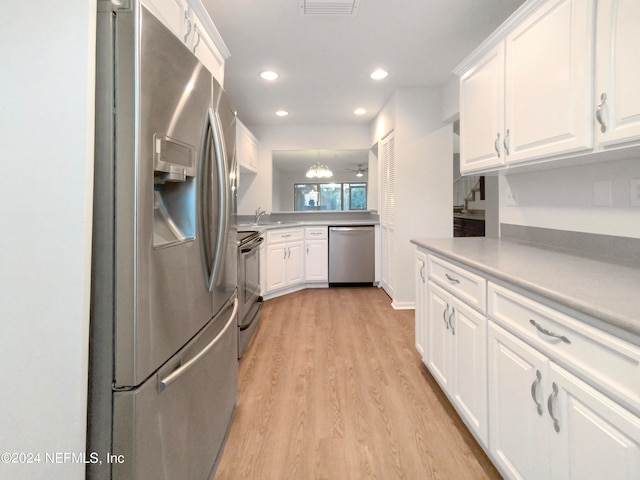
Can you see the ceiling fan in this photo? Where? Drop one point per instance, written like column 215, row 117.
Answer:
column 359, row 172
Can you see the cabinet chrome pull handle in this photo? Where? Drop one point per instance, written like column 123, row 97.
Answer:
column 550, row 402
column 288, row 252
column 546, row 332
column 444, row 316
column 603, row 124
column 495, row 144
column 451, row 315
column 451, row 279
column 422, row 272
column 534, row 391
column 505, row 142
column 195, row 46
column 186, row 35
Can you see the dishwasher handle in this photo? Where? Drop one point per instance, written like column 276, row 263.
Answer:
column 349, row 229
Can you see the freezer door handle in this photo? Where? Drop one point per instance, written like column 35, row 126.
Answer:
column 177, row 373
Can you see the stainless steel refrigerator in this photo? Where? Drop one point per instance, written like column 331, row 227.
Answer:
column 163, row 351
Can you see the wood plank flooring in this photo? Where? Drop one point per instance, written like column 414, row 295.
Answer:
column 333, row 388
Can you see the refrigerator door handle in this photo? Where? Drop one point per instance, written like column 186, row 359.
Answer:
column 204, row 215
column 177, row 373
column 223, row 218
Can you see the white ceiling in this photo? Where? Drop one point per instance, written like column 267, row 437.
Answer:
column 324, row 62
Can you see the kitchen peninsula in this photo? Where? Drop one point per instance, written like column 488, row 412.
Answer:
column 552, row 337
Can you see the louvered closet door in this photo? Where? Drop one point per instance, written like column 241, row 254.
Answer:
column 387, row 213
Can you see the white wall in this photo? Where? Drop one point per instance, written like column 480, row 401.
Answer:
column 571, row 198
column 255, row 190
column 47, row 55
column 450, row 94
column 424, row 177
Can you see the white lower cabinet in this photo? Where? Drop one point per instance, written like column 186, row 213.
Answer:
column 285, row 259
column 421, row 302
column 547, row 423
column 455, row 353
column 547, row 396
column 518, row 427
column 316, row 260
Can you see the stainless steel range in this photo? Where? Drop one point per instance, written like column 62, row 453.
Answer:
column 249, row 297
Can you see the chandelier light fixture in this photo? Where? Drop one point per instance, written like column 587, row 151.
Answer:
column 319, row 171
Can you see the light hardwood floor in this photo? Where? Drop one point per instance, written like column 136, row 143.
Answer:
column 332, row 387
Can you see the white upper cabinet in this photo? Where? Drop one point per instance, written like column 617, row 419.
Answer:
column 530, row 96
column 549, row 82
column 246, row 148
column 482, row 112
column 190, row 22
column 617, row 101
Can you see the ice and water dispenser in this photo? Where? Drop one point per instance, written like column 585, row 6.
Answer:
column 174, row 207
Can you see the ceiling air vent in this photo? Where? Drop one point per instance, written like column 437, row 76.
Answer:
column 328, row 7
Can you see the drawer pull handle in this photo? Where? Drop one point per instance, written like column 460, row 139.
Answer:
column 285, row 236
column 451, row 279
column 534, row 391
column 550, row 402
column 546, row 332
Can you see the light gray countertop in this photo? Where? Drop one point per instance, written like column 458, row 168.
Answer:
column 303, row 223
column 607, row 291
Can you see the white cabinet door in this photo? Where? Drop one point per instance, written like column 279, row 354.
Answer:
column 617, row 72
column 388, row 213
column 263, row 268
column 285, row 265
column 469, row 352
column 317, row 261
column 295, row 263
column 482, row 113
column 247, row 148
column 456, row 355
column 276, row 266
column 203, row 47
column 438, row 357
column 421, row 302
column 592, row 437
column 549, row 65
column 518, row 378
column 172, row 13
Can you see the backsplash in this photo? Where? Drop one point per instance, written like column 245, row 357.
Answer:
column 623, row 250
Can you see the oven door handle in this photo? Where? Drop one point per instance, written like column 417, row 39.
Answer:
column 252, row 246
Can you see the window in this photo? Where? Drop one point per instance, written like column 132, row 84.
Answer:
column 330, row 196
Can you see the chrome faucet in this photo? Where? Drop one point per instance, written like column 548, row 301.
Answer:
column 260, row 213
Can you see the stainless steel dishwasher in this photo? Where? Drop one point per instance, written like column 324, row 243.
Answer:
column 351, row 255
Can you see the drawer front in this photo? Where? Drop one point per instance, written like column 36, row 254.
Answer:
column 465, row 285
column 285, row 235
column 316, row 232
column 608, row 363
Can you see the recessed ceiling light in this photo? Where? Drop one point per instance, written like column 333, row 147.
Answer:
column 359, row 111
column 379, row 74
column 269, row 75
column 282, row 113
